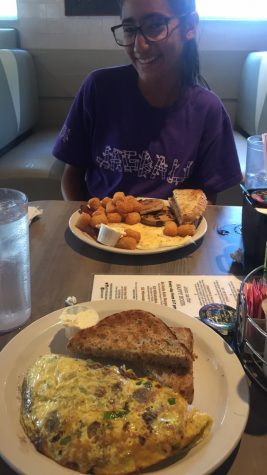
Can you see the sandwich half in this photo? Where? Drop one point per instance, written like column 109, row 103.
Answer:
column 188, row 205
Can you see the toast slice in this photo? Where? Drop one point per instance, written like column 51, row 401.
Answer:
column 150, row 205
column 180, row 380
column 188, row 205
column 158, row 218
column 132, row 335
column 185, row 336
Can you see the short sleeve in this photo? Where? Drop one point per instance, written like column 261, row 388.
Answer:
column 217, row 166
column 73, row 143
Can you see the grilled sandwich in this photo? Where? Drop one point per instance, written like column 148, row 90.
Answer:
column 188, row 205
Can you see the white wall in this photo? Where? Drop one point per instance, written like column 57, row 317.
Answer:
column 66, row 49
column 43, row 25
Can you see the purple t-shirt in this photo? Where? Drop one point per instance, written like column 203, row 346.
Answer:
column 125, row 144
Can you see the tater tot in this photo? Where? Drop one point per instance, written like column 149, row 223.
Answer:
column 94, row 203
column 105, row 201
column 133, row 218
column 132, row 233
column 126, row 242
column 98, row 219
column 124, row 206
column 186, row 230
column 119, row 195
column 110, row 207
column 137, row 206
column 100, row 210
column 133, row 204
column 83, row 221
column 170, row 229
column 114, row 217
column 123, row 216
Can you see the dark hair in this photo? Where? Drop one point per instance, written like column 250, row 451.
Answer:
column 181, row 7
column 190, row 57
column 185, row 9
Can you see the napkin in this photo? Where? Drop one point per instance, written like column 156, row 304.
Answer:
column 33, row 212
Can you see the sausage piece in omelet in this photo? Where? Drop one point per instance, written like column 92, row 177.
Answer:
column 103, row 419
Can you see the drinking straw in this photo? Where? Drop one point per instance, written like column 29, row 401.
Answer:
column 265, row 265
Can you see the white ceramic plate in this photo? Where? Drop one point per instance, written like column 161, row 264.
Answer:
column 220, row 389
column 200, row 232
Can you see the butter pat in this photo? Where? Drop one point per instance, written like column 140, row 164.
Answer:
column 108, row 236
column 78, row 317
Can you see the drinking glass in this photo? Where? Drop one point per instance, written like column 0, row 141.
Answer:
column 256, row 166
column 15, row 293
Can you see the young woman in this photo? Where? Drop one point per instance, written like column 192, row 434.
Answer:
column 148, row 127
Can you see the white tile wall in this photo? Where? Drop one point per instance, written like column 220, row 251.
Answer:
column 43, row 24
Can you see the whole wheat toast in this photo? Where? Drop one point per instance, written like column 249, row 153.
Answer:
column 179, row 379
column 133, row 335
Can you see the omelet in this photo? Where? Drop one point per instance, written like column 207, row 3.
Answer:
column 103, row 420
column 153, row 237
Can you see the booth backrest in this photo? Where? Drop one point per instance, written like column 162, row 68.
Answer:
column 18, row 96
column 9, row 38
column 252, row 102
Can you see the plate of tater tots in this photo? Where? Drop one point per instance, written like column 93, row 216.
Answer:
column 125, row 224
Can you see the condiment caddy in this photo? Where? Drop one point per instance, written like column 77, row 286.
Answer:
column 251, row 331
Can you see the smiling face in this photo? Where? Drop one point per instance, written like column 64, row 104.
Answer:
column 153, row 61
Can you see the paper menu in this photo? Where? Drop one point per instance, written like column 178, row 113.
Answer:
column 185, row 293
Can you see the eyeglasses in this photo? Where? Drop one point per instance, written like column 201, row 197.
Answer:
column 153, row 30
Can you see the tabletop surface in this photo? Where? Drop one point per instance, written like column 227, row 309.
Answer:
column 62, row 266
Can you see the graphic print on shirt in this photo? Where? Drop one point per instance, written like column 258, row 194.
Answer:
column 143, row 165
column 64, row 133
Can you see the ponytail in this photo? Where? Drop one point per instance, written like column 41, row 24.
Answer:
column 190, row 65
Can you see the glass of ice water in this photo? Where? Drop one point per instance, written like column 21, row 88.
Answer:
column 256, row 166
column 15, row 289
